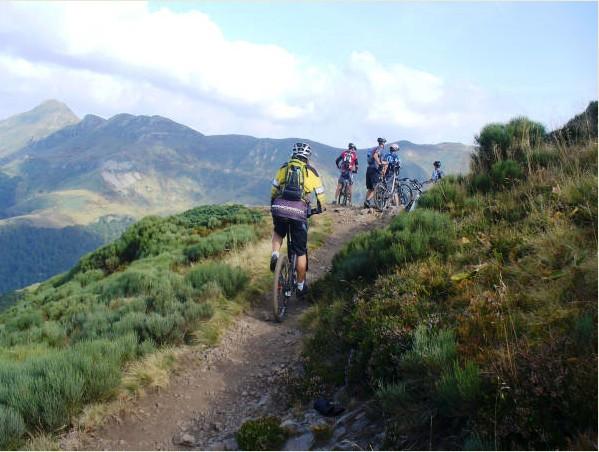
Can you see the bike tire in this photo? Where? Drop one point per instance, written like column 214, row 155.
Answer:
column 280, row 286
column 380, row 196
column 405, row 195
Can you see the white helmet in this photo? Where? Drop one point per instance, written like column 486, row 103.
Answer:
column 394, row 147
column 302, row 150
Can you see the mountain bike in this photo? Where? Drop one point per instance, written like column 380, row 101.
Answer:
column 384, row 191
column 285, row 279
column 344, row 196
column 415, row 188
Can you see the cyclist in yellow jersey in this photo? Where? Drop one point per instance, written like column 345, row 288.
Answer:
column 292, row 189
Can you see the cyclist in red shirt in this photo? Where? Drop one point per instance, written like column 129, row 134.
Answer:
column 347, row 162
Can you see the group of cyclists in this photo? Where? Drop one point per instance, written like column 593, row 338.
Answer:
column 297, row 181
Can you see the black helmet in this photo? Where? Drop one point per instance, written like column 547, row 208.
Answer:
column 351, row 146
column 437, row 164
column 381, row 140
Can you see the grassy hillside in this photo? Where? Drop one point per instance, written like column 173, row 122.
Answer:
column 473, row 319
column 166, row 281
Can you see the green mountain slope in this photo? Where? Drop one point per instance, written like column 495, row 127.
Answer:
column 165, row 281
column 132, row 166
column 471, row 322
column 138, row 164
column 22, row 129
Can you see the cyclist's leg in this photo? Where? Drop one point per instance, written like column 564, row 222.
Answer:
column 338, row 190
column 278, row 234
column 349, row 187
column 371, row 175
column 299, row 240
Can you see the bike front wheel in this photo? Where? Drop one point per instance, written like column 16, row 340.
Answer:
column 281, row 289
column 405, row 195
column 380, row 196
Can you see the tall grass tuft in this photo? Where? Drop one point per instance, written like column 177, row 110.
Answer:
column 230, row 279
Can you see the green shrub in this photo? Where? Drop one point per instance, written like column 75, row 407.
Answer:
column 545, row 158
column 261, row 434
column 480, row 183
column 12, row 427
column 409, row 237
column 493, row 142
column 432, row 349
column 54, row 334
column 459, row 388
column 230, row 279
column 165, row 329
column 579, row 198
column 217, row 242
column 391, row 396
column 25, row 320
column 444, row 196
column 505, row 173
column 514, row 140
column 91, row 276
column 198, row 311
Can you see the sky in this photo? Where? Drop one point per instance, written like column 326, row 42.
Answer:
column 332, row 71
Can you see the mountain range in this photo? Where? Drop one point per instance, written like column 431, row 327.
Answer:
column 58, row 171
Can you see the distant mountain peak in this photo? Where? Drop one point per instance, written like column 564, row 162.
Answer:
column 24, row 128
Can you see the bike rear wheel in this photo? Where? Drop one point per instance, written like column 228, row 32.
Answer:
column 281, row 289
column 343, row 194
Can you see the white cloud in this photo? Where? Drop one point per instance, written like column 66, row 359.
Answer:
column 107, row 58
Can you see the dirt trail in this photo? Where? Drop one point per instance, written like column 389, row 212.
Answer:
column 215, row 390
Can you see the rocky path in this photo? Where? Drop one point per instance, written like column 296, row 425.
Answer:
column 215, row 390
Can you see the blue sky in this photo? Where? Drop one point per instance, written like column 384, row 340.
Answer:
column 330, row 71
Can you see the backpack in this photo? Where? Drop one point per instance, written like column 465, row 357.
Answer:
column 346, row 161
column 370, row 156
column 293, row 189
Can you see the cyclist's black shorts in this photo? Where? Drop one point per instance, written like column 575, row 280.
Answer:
column 299, row 233
column 372, row 177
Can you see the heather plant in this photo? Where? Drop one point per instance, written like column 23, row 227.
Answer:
column 481, row 333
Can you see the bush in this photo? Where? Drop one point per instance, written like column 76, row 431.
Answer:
column 514, row 140
column 409, row 237
column 434, row 350
column 217, row 242
column 459, row 388
column 444, row 196
column 505, row 173
column 12, row 427
column 230, row 280
column 261, row 434
column 480, row 183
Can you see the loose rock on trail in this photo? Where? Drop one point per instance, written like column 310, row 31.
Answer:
column 215, row 390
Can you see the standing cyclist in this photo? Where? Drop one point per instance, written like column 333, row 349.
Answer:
column 347, row 162
column 373, row 172
column 291, row 194
column 437, row 171
column 391, row 166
